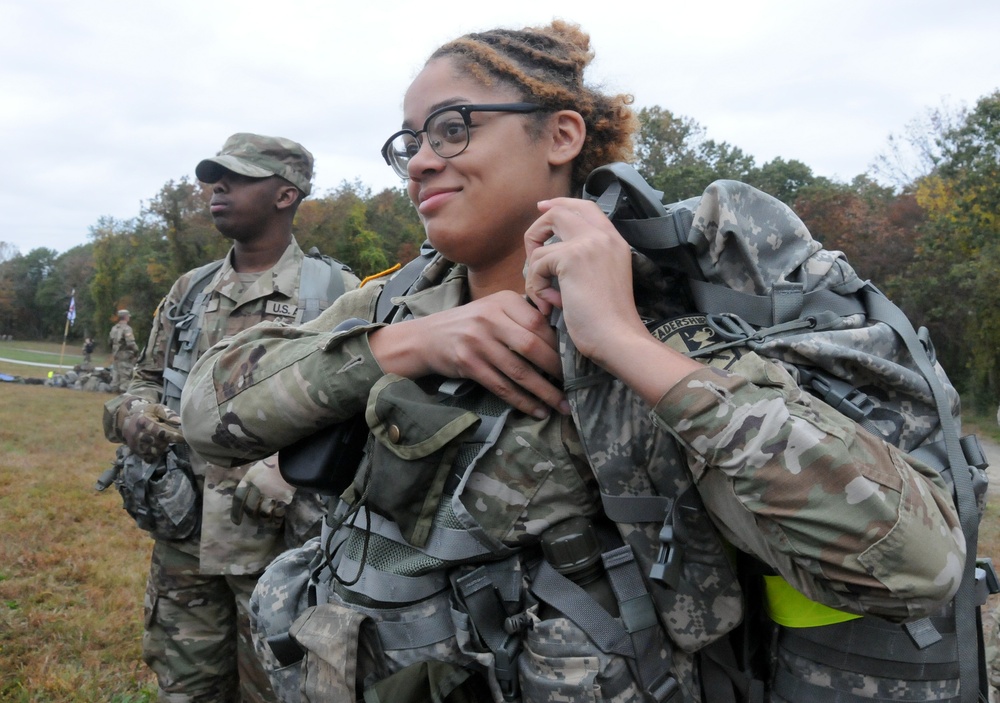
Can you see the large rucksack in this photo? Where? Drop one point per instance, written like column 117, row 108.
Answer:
column 759, row 281
column 754, row 279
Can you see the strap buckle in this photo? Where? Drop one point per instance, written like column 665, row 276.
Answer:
column 667, row 567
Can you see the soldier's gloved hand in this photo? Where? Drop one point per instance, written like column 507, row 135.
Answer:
column 262, row 494
column 149, row 428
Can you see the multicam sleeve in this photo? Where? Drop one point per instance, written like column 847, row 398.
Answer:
column 846, row 518
column 273, row 384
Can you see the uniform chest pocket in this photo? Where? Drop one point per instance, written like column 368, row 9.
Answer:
column 416, row 441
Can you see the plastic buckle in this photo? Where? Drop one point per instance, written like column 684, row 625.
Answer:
column 667, row 567
column 840, row 395
column 730, row 327
column 505, row 670
column 992, row 580
column 664, row 688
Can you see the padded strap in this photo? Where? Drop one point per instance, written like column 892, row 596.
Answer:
column 787, row 302
column 320, row 283
column 971, row 654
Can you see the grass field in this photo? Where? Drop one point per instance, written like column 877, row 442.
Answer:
column 73, row 564
column 49, row 354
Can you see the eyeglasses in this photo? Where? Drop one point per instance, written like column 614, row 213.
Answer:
column 447, row 131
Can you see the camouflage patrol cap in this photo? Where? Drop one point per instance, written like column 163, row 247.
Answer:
column 124, row 313
column 257, row 156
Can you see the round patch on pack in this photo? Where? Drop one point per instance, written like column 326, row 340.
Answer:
column 692, row 333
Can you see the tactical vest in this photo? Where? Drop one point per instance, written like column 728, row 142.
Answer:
column 670, row 572
column 320, row 283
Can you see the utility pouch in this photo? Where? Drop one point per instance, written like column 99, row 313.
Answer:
column 325, row 462
column 412, row 454
column 161, row 496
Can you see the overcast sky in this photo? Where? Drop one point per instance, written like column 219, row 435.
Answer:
column 103, row 102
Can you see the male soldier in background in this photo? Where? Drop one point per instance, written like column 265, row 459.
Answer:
column 197, row 628
column 123, row 352
column 88, row 351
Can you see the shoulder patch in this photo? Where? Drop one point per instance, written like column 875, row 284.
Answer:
column 692, row 333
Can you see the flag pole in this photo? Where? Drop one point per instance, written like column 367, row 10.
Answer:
column 63, row 350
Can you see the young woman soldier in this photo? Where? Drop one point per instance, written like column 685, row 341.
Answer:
column 474, row 457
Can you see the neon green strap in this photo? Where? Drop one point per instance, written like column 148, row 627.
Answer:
column 788, row 607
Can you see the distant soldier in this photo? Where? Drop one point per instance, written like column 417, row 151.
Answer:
column 124, row 351
column 88, row 351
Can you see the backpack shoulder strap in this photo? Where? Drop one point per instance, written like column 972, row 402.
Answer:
column 177, row 359
column 320, row 284
column 402, row 282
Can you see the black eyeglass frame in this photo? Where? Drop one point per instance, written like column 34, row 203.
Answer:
column 466, row 112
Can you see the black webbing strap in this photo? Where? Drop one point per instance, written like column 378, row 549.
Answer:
column 402, row 282
column 722, row 677
column 970, row 653
column 487, row 592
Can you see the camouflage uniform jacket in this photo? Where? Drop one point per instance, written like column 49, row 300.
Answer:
column 123, row 346
column 784, row 476
column 223, row 548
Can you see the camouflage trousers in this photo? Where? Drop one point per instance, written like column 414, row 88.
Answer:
column 197, row 633
column 121, row 374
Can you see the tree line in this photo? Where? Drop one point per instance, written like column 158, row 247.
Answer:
column 922, row 224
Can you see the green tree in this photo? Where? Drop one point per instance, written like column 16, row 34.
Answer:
column 674, row 156
column 784, row 179
column 180, row 214
column 958, row 253
column 131, row 270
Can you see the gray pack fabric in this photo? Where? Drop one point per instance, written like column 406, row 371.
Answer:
column 762, row 283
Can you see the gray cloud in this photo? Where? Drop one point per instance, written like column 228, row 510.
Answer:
column 105, row 102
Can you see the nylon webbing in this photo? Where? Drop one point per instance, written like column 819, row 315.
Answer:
column 486, row 593
column 796, row 689
column 182, row 317
column 880, row 643
column 607, row 633
column 972, row 676
column 388, row 587
column 444, row 544
column 413, row 634
column 767, row 310
column 633, row 508
column 638, row 613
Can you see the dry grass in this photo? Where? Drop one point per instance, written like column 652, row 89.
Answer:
column 72, row 563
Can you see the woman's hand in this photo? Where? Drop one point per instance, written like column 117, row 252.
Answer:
column 587, row 272
column 593, row 267
column 500, row 341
